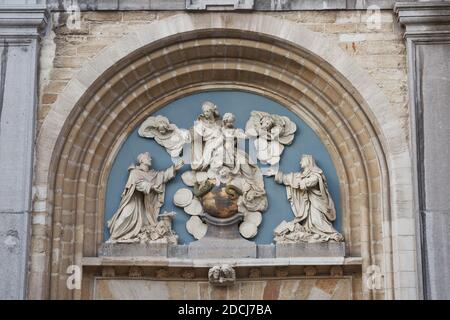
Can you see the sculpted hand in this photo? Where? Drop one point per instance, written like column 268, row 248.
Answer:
column 179, row 165
column 302, row 185
column 143, row 186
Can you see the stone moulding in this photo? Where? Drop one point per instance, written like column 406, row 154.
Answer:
column 159, row 262
column 258, row 5
column 25, row 21
column 424, row 18
column 219, row 4
column 242, row 249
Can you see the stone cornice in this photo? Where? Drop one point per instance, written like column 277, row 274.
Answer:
column 22, row 21
column 424, row 19
column 257, row 5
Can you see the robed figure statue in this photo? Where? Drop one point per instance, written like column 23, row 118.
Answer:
column 311, row 203
column 141, row 201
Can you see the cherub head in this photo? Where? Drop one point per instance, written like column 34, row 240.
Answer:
column 266, row 122
column 251, row 195
column 224, row 173
column 214, row 273
column 228, row 120
column 162, row 127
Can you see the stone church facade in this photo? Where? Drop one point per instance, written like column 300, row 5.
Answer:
column 370, row 79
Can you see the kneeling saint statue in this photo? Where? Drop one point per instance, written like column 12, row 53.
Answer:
column 142, row 199
column 314, row 210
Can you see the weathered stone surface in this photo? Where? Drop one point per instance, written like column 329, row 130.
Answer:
column 325, row 249
column 219, row 5
column 263, row 5
column 16, row 125
column 222, row 248
column 289, row 289
column 428, row 54
column 13, row 252
column 266, row 251
column 20, row 25
column 133, row 249
column 177, row 251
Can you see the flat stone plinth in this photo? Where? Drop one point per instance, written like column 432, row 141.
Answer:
column 134, row 249
column 324, row 249
column 221, row 248
column 212, row 248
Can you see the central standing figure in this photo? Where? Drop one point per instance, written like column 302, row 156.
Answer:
column 207, row 137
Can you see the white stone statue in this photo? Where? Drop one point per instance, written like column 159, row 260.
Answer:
column 224, row 179
column 311, row 203
column 207, row 137
column 166, row 134
column 137, row 219
column 232, row 155
column 271, row 133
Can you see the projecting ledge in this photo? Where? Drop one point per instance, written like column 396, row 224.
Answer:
column 207, row 263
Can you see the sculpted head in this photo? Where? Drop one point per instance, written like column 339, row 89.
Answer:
column 209, row 110
column 267, row 122
column 214, row 273
column 224, row 173
column 228, row 120
column 163, row 127
column 251, row 195
column 307, row 161
column 144, row 159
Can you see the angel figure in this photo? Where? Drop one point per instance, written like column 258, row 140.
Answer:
column 271, row 133
column 165, row 134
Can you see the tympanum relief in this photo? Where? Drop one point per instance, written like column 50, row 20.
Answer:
column 223, row 182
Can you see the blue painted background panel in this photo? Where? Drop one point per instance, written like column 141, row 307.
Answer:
column 183, row 112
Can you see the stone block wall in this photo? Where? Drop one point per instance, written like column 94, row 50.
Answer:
column 379, row 51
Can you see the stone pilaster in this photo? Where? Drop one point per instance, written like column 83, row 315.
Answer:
column 20, row 24
column 427, row 35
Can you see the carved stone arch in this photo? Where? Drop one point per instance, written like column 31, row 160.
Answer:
column 180, row 55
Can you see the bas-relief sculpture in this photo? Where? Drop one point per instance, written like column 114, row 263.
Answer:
column 270, row 133
column 138, row 218
column 224, row 180
column 225, row 184
column 313, row 207
column 165, row 134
